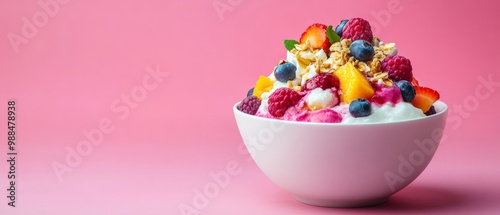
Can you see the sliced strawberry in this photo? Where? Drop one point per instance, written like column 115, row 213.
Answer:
column 316, row 35
column 414, row 81
column 424, row 98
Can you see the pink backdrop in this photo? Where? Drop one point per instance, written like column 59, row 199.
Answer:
column 162, row 76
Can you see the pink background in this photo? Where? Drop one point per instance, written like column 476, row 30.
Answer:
column 67, row 76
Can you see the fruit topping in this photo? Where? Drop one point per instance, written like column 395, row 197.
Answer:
column 321, row 80
column 353, row 84
column 264, row 84
column 250, row 92
column 424, row 98
column 340, row 27
column 315, row 35
column 361, row 50
column 398, row 67
column 282, row 99
column 357, row 29
column 431, row 111
column 249, row 105
column 285, row 71
column 360, row 108
column 407, row 90
column 414, row 81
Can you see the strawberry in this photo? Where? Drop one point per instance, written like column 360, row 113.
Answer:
column 316, row 34
column 414, row 81
column 424, row 98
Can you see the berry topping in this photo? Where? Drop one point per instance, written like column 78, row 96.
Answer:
column 385, row 94
column 316, row 35
column 431, row 111
column 362, row 50
column 340, row 27
column 407, row 90
column 321, row 80
column 324, row 115
column 357, row 29
column 398, row 67
column 424, row 98
column 285, row 71
column 414, row 81
column 282, row 99
column 250, row 92
column 360, row 108
column 249, row 105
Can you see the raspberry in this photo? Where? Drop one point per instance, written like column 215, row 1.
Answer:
column 322, row 80
column 249, row 105
column 282, row 99
column 357, row 29
column 398, row 67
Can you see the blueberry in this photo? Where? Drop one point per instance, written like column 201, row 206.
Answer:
column 340, row 27
column 407, row 90
column 285, row 71
column 431, row 111
column 362, row 50
column 360, row 108
column 250, row 92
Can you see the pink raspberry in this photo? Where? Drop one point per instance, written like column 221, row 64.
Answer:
column 282, row 99
column 398, row 67
column 322, row 80
column 249, row 105
column 357, row 29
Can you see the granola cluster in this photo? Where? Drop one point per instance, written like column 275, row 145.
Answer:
column 309, row 59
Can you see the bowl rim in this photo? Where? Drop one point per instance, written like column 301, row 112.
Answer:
column 441, row 107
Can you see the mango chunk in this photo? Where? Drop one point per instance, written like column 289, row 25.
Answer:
column 264, row 84
column 353, row 84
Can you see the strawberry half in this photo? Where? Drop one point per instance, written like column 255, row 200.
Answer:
column 414, row 81
column 424, row 98
column 316, row 35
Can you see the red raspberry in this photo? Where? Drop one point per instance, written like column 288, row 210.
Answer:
column 249, row 105
column 323, row 80
column 282, row 99
column 357, row 29
column 398, row 67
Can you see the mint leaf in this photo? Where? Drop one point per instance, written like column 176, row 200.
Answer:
column 332, row 35
column 290, row 44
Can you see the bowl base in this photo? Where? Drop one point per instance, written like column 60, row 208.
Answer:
column 341, row 204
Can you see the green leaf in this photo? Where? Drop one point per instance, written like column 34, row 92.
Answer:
column 332, row 35
column 290, row 44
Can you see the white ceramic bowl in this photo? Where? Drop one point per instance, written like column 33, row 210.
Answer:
column 342, row 165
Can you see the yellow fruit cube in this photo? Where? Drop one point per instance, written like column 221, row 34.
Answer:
column 264, row 84
column 353, row 84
